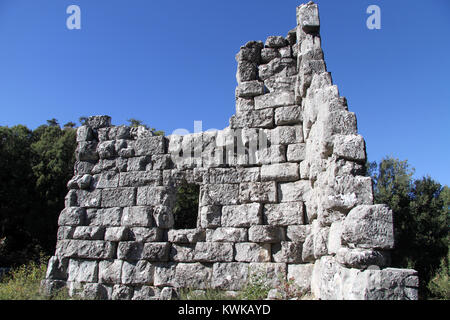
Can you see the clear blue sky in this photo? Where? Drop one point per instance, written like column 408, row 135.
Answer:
column 169, row 63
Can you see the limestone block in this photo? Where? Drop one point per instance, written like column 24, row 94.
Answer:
column 186, row 235
column 164, row 274
column 281, row 172
column 150, row 146
column 351, row 147
column 287, row 251
column 139, row 216
column 249, row 174
column 87, row 249
column 226, row 234
column 272, row 154
column 279, row 83
column 252, row 252
column 121, row 292
column 161, row 162
column 288, row 115
column 83, row 271
column 308, row 17
column 246, row 71
column 244, row 104
column 65, row 232
column 130, row 251
column 362, row 258
column 278, row 67
column 244, row 215
column 106, row 150
column 108, row 179
column 138, row 163
column 154, row 196
column 193, row 275
column 57, row 268
column 88, row 199
column 298, row 233
column 334, row 238
column 296, row 152
column 110, row 271
column 104, row 165
column 140, row 178
column 250, row 52
column 89, row 233
column 146, row 293
column 370, row 227
column 275, row 42
column 252, row 119
column 108, row 217
column 250, row 89
column 137, row 273
column 156, row 251
column 84, row 133
column 274, row 99
column 266, row 234
column 271, row 272
column 72, row 216
column 210, row 216
column 284, row 214
column 163, row 216
column 219, row 194
column 301, row 274
column 348, row 192
column 116, row 234
column 223, row 175
column 268, row 54
column 230, row 276
column 294, row 191
column 213, row 252
column 96, row 122
column 118, row 197
column 144, row 234
column 262, row 192
column 182, row 252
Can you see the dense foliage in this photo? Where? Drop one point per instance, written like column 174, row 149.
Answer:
column 421, row 221
column 35, row 166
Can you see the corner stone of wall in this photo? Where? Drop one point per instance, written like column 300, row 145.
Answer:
column 282, row 192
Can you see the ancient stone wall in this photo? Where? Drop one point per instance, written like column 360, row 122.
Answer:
column 282, row 193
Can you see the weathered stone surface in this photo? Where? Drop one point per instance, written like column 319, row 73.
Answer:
column 284, row 214
column 156, row 251
column 287, row 251
column 219, row 194
column 252, row 119
column 298, row 233
column 83, row 271
column 118, row 197
column 282, row 172
column 110, row 271
column 144, row 234
column 110, row 217
column 88, row 233
column 266, row 234
column 149, row 146
column 57, row 268
column 362, row 258
column 87, row 249
column 182, row 252
column 186, row 235
column 193, row 275
column 121, row 292
column 369, row 226
column 301, row 274
column 210, row 216
column 146, row 293
column 308, row 17
column 138, row 163
column 226, row 234
column 139, row 216
column 262, row 192
column 272, row 273
column 153, row 196
column 274, row 99
column 96, row 122
column 108, row 179
column 294, row 191
column 288, row 115
column 351, row 147
column 268, row 54
column 116, row 234
column 140, row 272
column 275, row 42
column 270, row 155
column 213, row 252
column 244, row 215
column 250, row 89
column 296, row 152
column 72, row 216
column 140, row 178
column 252, row 252
column 230, row 276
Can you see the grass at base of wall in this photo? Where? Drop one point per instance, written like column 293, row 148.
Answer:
column 23, row 283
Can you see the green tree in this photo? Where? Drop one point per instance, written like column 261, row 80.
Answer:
column 420, row 218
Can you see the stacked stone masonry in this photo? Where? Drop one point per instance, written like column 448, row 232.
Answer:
column 282, row 192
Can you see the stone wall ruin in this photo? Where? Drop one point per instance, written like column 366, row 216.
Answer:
column 282, row 191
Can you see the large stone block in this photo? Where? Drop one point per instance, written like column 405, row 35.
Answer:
column 193, row 275
column 140, row 178
column 370, row 227
column 266, row 234
column 301, row 274
column 273, row 274
column 244, row 215
column 351, row 147
column 252, row 252
column 226, row 234
column 287, row 251
column 250, row 89
column 263, row 192
column 186, row 235
column 95, row 249
column 210, row 216
column 150, row 146
column 118, row 197
column 282, row 172
column 219, row 194
column 83, row 271
column 110, row 271
column 230, row 276
column 139, row 216
column 214, row 252
column 108, row 217
column 182, row 252
column 154, row 196
column 156, row 251
column 274, row 99
column 284, row 214
column 144, row 234
column 137, row 273
column 272, row 154
column 89, row 233
column 294, row 191
column 288, row 115
column 72, row 216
